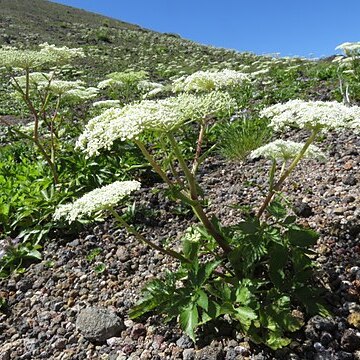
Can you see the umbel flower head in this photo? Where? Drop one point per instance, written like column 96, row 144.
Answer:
column 287, row 150
column 96, row 200
column 349, row 48
column 313, row 115
column 121, row 79
column 209, row 80
column 164, row 115
column 31, row 59
column 104, row 104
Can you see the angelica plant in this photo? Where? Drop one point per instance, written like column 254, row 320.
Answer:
column 129, row 86
column 253, row 271
column 44, row 94
column 348, row 69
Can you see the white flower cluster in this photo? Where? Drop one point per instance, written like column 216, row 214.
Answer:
column 130, row 121
column 349, row 48
column 96, row 200
column 313, row 115
column 60, row 87
column 286, row 150
column 30, row 59
column 80, row 94
column 121, row 79
column 103, row 104
column 192, row 234
column 61, row 55
column 70, row 90
column 209, row 80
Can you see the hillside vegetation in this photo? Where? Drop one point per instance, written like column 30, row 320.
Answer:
column 211, row 179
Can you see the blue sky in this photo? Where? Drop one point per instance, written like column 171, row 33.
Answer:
column 311, row 28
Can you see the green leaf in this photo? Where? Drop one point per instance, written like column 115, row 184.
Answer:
column 275, row 340
column 100, row 268
column 302, row 237
column 34, row 254
column 204, row 272
column 142, row 307
column 245, row 313
column 202, row 300
column 189, row 319
column 278, row 259
column 243, row 295
column 277, row 209
column 190, row 249
column 250, row 226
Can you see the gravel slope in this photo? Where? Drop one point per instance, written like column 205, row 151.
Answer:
column 45, row 303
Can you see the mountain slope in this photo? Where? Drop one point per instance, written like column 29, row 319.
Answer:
column 24, row 21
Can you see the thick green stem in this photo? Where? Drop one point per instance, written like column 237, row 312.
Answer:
column 192, row 200
column 196, row 161
column 197, row 208
column 199, row 212
column 141, row 238
column 287, row 172
column 153, row 163
column 189, row 176
column 180, row 194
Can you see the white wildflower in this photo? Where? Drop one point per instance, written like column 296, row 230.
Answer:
column 130, row 121
column 311, row 115
column 106, row 104
column 107, row 83
column 80, row 94
column 121, row 79
column 349, row 48
column 60, row 87
column 61, row 55
column 209, row 80
column 96, row 200
column 31, row 59
column 192, row 234
column 286, row 150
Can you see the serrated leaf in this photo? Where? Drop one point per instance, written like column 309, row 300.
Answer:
column 250, row 226
column 213, row 311
column 277, row 209
column 278, row 259
column 243, row 295
column 142, row 307
column 275, row 340
column 303, row 237
column 189, row 319
column 245, row 315
column 202, row 300
column 204, row 272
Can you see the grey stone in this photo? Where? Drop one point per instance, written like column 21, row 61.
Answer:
column 5, row 355
column 303, row 209
column 188, row 354
column 98, row 325
column 137, row 331
column 350, row 341
column 184, row 342
column 209, row 353
column 350, row 180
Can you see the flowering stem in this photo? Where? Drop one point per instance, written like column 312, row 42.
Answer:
column 153, row 163
column 272, row 175
column 287, row 172
column 199, row 212
column 196, row 161
column 141, row 238
column 196, row 206
column 189, row 176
